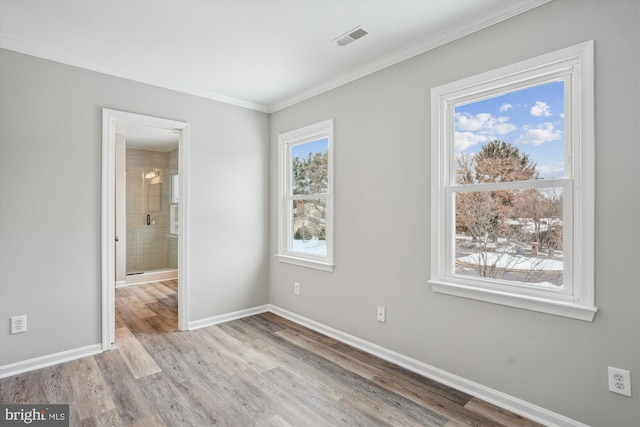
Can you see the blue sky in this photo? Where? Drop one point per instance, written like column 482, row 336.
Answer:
column 532, row 119
column 303, row 150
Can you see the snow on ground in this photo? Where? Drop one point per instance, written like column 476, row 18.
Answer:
column 500, row 260
column 514, row 262
column 312, row 247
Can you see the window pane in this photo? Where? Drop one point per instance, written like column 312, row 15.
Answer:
column 510, row 235
column 308, row 227
column 512, row 137
column 310, row 167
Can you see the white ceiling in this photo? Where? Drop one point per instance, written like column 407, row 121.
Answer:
column 150, row 138
column 259, row 54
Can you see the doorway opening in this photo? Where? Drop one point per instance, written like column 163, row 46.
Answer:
column 147, row 204
column 144, row 198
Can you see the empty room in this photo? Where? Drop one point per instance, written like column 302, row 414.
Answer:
column 320, row 213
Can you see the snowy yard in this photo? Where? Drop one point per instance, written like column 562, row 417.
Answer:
column 507, row 261
column 311, row 246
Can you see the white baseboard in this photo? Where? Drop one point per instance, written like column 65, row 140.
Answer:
column 150, row 277
column 487, row 394
column 214, row 320
column 505, row 401
column 49, row 360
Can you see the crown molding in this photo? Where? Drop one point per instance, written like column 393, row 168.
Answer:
column 464, row 29
column 69, row 59
column 480, row 22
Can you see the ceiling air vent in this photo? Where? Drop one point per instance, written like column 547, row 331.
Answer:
column 351, row 36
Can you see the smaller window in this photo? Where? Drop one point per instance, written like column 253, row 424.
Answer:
column 305, row 210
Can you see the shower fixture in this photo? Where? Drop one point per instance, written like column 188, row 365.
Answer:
column 152, row 174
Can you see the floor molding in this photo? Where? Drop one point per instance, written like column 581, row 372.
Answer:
column 149, row 277
column 49, row 360
column 480, row 391
column 214, row 320
column 487, row 394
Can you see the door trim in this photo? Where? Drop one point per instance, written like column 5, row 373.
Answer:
column 112, row 121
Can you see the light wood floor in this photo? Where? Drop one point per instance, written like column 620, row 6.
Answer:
column 259, row 371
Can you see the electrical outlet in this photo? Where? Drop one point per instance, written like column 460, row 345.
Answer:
column 619, row 381
column 19, row 324
column 381, row 313
column 296, row 288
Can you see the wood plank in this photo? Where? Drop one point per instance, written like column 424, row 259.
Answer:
column 378, row 376
column 247, row 356
column 498, row 414
column 149, row 291
column 458, row 397
column 140, row 363
column 350, row 380
column 166, row 314
column 155, row 421
column 135, row 304
column 91, row 395
column 263, row 370
column 276, row 421
column 56, row 385
column 280, row 401
column 107, row 419
column 341, row 359
column 434, row 401
column 173, row 405
column 264, row 343
column 130, row 402
column 22, row 388
column 333, row 412
column 171, row 284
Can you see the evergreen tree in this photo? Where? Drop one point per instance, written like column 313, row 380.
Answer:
column 499, row 161
column 493, row 218
column 310, row 176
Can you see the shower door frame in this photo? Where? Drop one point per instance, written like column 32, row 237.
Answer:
column 114, row 121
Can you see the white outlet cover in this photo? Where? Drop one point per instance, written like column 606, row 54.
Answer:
column 619, row 381
column 18, row 324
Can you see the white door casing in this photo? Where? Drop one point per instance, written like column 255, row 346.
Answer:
column 112, row 122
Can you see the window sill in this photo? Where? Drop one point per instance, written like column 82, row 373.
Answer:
column 304, row 262
column 542, row 305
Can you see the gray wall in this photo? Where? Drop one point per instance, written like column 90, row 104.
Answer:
column 50, row 157
column 50, row 184
column 382, row 137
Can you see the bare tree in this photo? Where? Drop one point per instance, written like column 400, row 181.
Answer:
column 310, row 176
column 496, row 226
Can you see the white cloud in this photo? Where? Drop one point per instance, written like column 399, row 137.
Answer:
column 503, row 127
column 464, row 140
column 483, row 123
column 541, row 109
column 539, row 135
column 505, row 107
column 467, row 122
column 551, row 171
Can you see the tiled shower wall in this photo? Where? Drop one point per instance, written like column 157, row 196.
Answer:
column 149, row 247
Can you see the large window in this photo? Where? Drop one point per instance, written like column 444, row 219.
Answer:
column 306, row 198
column 512, row 185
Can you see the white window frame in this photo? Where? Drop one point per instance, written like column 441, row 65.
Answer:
column 285, row 142
column 575, row 66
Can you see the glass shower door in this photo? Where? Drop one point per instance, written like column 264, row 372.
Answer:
column 135, row 224
column 151, row 240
